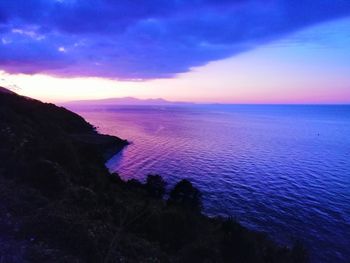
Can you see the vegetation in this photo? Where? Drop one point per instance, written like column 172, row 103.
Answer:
column 58, row 202
column 185, row 196
column 155, row 186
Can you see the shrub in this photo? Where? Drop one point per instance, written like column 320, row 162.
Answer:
column 115, row 178
column 155, row 186
column 177, row 229
column 299, row 253
column 47, row 177
column 133, row 183
column 184, row 194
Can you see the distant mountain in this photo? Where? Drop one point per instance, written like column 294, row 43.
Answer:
column 123, row 101
column 59, row 203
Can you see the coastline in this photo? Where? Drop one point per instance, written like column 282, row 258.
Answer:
column 60, row 201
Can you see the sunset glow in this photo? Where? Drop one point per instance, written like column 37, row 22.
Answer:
column 175, row 131
column 308, row 65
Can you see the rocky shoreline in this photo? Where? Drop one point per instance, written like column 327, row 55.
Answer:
column 59, row 203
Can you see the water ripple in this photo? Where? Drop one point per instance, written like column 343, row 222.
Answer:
column 284, row 170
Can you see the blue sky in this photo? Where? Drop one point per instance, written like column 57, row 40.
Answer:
column 146, row 41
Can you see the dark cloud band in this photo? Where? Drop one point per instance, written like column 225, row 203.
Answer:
column 144, row 39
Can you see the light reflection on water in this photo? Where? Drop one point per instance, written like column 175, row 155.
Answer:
column 280, row 169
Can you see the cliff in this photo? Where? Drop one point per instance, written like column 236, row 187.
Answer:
column 58, row 202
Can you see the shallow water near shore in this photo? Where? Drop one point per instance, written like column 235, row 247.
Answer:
column 281, row 169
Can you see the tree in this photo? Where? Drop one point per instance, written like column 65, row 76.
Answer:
column 155, row 185
column 184, row 194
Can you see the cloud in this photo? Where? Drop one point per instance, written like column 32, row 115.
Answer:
column 144, row 39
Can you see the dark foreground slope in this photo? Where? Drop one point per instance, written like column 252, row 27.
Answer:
column 58, row 203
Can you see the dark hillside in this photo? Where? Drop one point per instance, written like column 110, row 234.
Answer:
column 58, row 202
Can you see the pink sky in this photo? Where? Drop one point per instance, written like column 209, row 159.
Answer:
column 310, row 66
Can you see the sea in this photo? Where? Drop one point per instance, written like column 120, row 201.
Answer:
column 280, row 169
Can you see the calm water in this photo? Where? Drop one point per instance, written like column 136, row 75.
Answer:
column 284, row 170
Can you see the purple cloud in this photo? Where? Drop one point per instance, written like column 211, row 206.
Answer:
column 144, row 39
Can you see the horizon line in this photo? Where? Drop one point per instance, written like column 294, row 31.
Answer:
column 199, row 102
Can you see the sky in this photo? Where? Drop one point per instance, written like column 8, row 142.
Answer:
column 228, row 51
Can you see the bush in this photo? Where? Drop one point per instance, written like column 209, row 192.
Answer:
column 155, row 186
column 47, row 177
column 115, row 178
column 236, row 245
column 184, row 194
column 299, row 253
column 177, row 229
column 199, row 253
